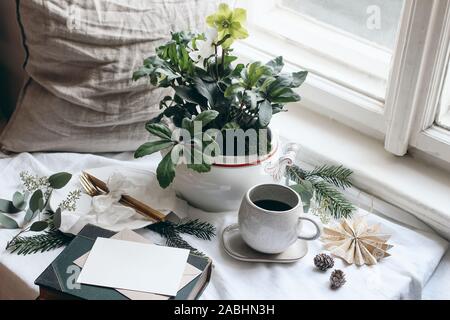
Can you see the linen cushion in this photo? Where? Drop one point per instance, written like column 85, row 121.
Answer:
column 81, row 56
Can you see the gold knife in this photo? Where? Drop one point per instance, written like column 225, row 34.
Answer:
column 140, row 207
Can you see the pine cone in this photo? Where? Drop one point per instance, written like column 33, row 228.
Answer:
column 323, row 261
column 337, row 279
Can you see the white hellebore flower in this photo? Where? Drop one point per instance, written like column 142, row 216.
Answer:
column 205, row 47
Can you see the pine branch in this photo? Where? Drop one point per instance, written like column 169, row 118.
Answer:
column 176, row 241
column 46, row 241
column 296, row 174
column 172, row 231
column 335, row 202
column 336, row 175
column 201, row 230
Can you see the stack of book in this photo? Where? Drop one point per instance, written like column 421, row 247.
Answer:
column 59, row 280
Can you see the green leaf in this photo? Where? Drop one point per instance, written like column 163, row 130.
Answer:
column 207, row 90
column 201, row 168
column 191, row 95
column 306, row 192
column 276, row 65
column 253, row 73
column 166, row 171
column 59, row 180
column 30, row 215
column 35, row 200
column 152, row 147
column 265, row 113
column 298, row 78
column 19, row 200
column 159, row 130
column 233, row 125
column 57, row 218
column 237, row 70
column 283, row 95
column 251, row 99
column 233, row 89
column 8, row 222
column 7, row 206
column 206, row 117
column 141, row 73
column 39, row 226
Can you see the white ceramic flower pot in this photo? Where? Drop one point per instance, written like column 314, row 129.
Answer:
column 223, row 188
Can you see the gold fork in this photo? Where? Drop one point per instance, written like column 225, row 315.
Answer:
column 93, row 191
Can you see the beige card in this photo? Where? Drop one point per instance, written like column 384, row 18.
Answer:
column 189, row 274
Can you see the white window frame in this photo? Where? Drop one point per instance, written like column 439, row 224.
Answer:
column 425, row 134
column 405, row 117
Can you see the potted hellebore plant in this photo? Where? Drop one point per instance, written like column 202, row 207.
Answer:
column 213, row 131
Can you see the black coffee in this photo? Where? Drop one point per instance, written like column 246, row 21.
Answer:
column 272, row 205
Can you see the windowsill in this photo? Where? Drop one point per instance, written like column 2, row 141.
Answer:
column 405, row 182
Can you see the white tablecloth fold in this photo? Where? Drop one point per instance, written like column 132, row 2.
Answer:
column 415, row 255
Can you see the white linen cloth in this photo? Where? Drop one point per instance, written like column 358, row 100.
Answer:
column 415, row 255
column 105, row 210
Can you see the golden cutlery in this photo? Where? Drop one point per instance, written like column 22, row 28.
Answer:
column 95, row 186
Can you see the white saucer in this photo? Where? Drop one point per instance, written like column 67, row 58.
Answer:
column 235, row 246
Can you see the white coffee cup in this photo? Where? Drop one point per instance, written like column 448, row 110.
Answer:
column 272, row 230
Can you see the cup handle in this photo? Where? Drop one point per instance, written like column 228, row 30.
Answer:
column 314, row 237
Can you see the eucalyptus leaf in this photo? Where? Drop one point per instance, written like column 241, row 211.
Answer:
column 19, row 200
column 152, row 147
column 30, row 215
column 57, row 218
column 7, row 206
column 59, row 180
column 35, row 200
column 8, row 222
column 39, row 226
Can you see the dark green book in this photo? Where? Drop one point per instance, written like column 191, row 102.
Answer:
column 58, row 279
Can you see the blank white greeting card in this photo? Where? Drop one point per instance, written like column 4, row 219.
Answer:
column 134, row 266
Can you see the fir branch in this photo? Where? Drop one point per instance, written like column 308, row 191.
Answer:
column 196, row 228
column 336, row 175
column 334, row 201
column 171, row 231
column 296, row 174
column 176, row 241
column 46, row 241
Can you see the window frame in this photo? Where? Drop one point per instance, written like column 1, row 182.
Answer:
column 405, row 118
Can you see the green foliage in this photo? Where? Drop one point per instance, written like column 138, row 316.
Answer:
column 212, row 90
column 37, row 204
column 172, row 232
column 43, row 242
column 321, row 184
column 8, row 222
column 59, row 180
column 336, row 203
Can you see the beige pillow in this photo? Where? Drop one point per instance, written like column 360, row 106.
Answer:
column 81, row 56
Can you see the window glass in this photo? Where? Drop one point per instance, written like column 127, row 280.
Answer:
column 376, row 21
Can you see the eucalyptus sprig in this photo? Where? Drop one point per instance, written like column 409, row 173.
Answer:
column 34, row 202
